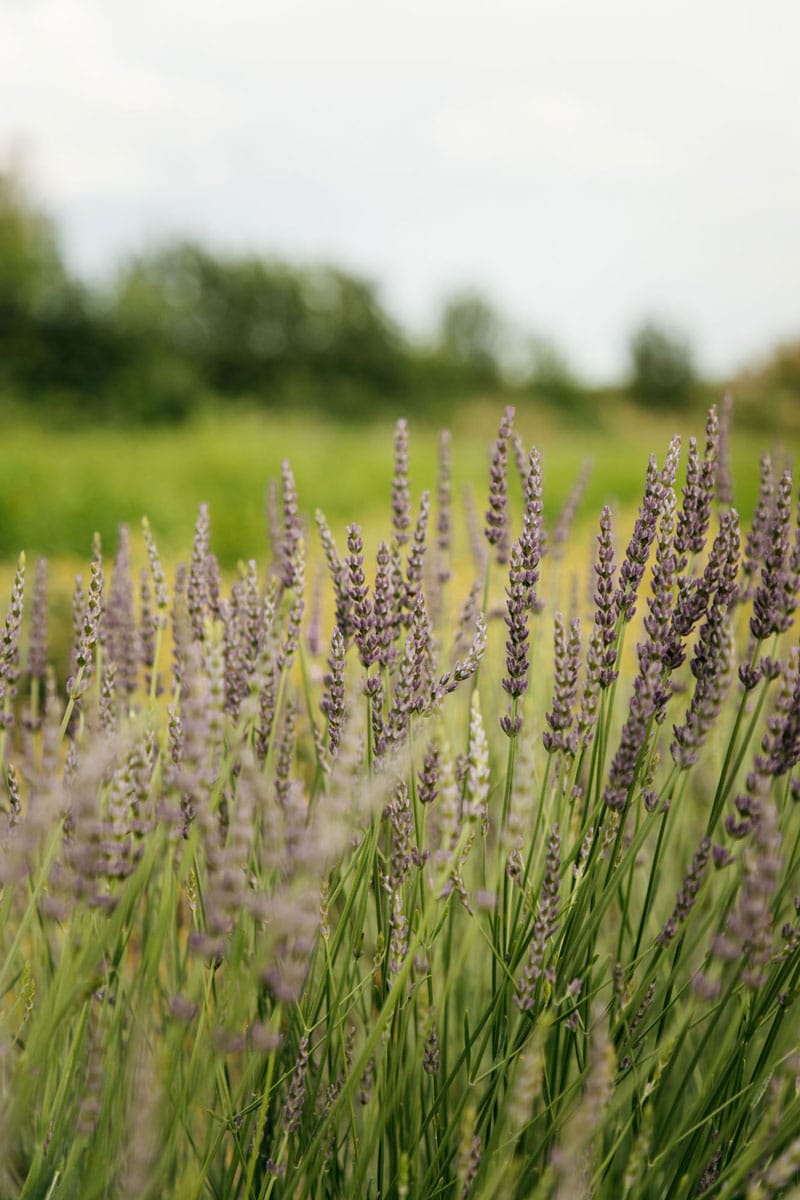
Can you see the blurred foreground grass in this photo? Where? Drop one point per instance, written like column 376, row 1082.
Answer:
column 58, row 486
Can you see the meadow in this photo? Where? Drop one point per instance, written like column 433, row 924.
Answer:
column 428, row 848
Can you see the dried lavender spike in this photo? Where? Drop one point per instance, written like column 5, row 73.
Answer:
column 92, row 613
column 214, row 587
column 197, row 589
column 363, row 616
column 37, row 643
column 286, row 753
column 398, row 942
column 293, row 1108
column 294, row 620
column 292, row 530
column 772, row 606
column 747, row 938
column 78, row 613
column 660, row 602
column 107, row 715
column 566, row 518
column 401, row 495
column 338, row 573
column 698, row 493
column 713, row 670
column 781, row 743
column 464, row 668
column 515, row 682
column 567, row 652
column 758, row 537
column 605, row 612
column 9, row 649
column 685, row 900
column 476, row 795
column 314, row 627
column 428, row 778
column 416, row 557
column 236, row 677
column 634, row 733
column 157, row 571
column 122, row 634
column 431, row 1060
column 532, row 537
column 497, row 519
column 332, row 703
column 642, row 538
column 399, row 815
column 384, row 608
column 480, row 555
column 545, row 924
column 444, row 518
column 181, row 624
column 414, row 676
column 724, row 476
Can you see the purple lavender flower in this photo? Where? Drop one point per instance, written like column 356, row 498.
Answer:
column 416, row 558
column 545, row 924
column 332, row 703
column 37, row 642
column 293, row 1108
column 363, row 617
column 781, row 743
column 197, row 589
column 660, row 602
column 497, row 519
column 444, row 510
column 724, row 478
column 532, row 536
column 605, row 613
column 428, row 780
column 517, row 661
column 747, row 938
column 121, row 632
column 566, row 517
column 567, row 652
column 339, row 576
column 758, row 537
column 401, row 494
column 774, row 603
column 695, row 512
column 685, row 900
column 9, row 648
column 638, row 552
column 386, row 625
column 622, row 771
column 292, row 530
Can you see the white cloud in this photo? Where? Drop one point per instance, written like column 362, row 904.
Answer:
column 584, row 162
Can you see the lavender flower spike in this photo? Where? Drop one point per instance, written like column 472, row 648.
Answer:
column 497, row 520
column 644, row 531
column 401, row 495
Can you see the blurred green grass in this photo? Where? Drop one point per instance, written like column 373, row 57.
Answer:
column 57, row 487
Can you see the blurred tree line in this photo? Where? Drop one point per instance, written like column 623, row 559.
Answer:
column 181, row 323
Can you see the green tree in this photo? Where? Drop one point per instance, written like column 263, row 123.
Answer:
column 472, row 334
column 661, row 365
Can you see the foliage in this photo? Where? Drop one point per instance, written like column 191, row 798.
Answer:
column 373, row 899
column 662, row 371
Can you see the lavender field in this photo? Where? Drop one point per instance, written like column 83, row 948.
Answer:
column 455, row 855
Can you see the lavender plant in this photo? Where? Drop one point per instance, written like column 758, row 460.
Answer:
column 428, row 903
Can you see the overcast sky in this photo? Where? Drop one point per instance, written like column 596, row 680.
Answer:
column 584, row 161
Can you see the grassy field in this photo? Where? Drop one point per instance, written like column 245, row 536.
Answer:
column 492, row 907
column 58, row 486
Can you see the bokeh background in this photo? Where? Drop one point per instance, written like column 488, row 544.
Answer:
column 235, row 233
